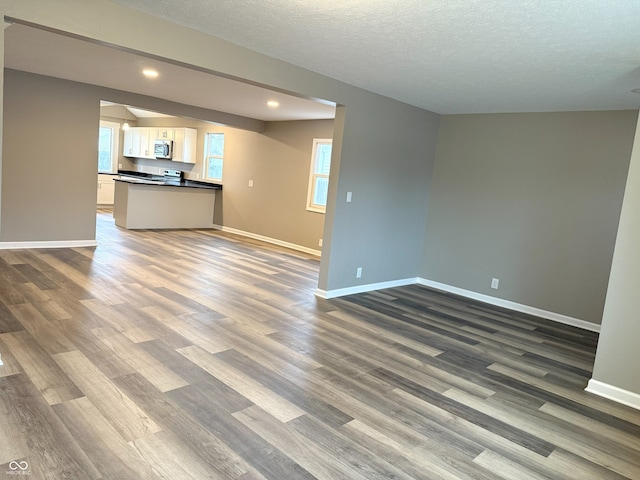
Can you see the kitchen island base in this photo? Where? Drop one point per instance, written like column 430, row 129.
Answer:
column 148, row 206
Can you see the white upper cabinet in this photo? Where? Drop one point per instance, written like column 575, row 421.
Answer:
column 146, row 142
column 139, row 142
column 165, row 133
column 184, row 145
column 127, row 144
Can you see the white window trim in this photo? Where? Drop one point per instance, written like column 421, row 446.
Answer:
column 310, row 206
column 205, row 163
column 115, row 145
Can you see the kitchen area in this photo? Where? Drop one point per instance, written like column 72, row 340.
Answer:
column 266, row 175
column 142, row 198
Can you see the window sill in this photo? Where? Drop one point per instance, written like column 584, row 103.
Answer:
column 316, row 210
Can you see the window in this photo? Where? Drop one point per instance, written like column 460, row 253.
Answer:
column 319, row 175
column 108, row 147
column 213, row 156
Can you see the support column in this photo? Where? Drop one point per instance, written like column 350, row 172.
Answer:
column 616, row 373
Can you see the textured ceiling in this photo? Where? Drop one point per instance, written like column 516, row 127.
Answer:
column 449, row 56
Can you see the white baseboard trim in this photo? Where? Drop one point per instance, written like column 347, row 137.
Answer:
column 518, row 307
column 556, row 317
column 616, row 394
column 48, row 244
column 341, row 292
column 273, row 241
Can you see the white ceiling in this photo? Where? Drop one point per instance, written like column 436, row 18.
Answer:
column 42, row 52
column 448, row 56
column 134, row 111
column 140, row 113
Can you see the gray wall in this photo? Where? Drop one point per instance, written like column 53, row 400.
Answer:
column 382, row 229
column 618, row 355
column 49, row 161
column 392, row 141
column 277, row 160
column 531, row 199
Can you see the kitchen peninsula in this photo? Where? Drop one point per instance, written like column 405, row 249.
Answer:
column 144, row 201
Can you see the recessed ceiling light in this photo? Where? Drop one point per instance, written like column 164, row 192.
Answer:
column 147, row 72
column 273, row 104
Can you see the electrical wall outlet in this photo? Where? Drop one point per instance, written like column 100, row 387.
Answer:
column 251, row 183
column 359, row 272
column 320, row 242
column 495, row 282
column 349, row 195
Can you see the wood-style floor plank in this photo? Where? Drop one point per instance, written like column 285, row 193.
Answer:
column 306, row 453
column 271, row 462
column 128, row 419
column 188, row 429
column 42, row 370
column 146, row 365
column 106, row 448
column 10, row 365
column 32, row 433
column 172, row 459
column 277, row 406
column 193, row 354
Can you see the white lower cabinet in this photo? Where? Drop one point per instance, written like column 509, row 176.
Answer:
column 106, row 189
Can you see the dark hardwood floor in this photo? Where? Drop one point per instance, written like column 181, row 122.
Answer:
column 198, row 354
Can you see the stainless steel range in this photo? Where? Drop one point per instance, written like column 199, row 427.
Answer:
column 175, row 175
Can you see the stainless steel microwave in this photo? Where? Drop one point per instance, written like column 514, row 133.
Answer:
column 163, row 149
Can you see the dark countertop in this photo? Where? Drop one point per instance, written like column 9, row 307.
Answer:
column 140, row 178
